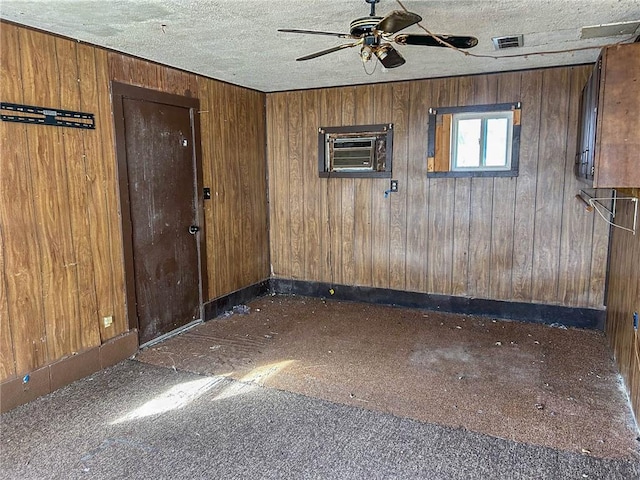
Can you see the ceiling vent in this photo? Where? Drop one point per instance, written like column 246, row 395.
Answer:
column 509, row 41
column 610, row 30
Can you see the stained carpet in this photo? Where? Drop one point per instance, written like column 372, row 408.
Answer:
column 530, row 383
column 136, row 420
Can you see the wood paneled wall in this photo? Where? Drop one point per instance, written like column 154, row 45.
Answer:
column 524, row 239
column 233, row 148
column 60, row 234
column 623, row 298
column 59, row 214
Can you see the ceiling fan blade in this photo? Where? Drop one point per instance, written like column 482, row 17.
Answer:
column 325, row 52
column 458, row 41
column 315, row 32
column 389, row 57
column 396, row 21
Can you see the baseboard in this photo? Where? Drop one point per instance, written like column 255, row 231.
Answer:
column 220, row 305
column 588, row 318
column 44, row 380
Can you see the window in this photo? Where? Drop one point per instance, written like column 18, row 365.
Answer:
column 355, row 151
column 481, row 140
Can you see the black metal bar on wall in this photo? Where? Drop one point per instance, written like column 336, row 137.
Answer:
column 46, row 116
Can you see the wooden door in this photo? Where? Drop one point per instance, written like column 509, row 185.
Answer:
column 161, row 171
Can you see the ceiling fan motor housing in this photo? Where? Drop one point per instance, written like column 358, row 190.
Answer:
column 371, row 40
column 364, row 26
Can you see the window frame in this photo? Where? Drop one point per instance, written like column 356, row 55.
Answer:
column 440, row 141
column 384, row 129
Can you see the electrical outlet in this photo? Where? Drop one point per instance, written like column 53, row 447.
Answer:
column 635, row 320
column 107, row 321
column 394, row 185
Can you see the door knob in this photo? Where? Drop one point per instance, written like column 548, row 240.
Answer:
column 193, row 229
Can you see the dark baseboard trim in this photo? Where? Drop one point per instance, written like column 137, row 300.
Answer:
column 24, row 388
column 588, row 318
column 216, row 307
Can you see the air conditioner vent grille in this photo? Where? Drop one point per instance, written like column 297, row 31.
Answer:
column 509, row 41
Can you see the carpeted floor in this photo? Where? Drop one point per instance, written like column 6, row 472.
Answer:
column 525, row 382
column 136, row 420
column 301, row 388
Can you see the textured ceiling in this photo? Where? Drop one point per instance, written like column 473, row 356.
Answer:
column 237, row 40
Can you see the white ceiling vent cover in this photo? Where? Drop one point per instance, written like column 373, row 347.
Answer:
column 508, row 41
column 610, row 30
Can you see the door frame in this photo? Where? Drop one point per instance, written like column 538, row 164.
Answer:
column 119, row 92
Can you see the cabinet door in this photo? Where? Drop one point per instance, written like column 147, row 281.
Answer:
column 586, row 130
column 617, row 141
column 579, row 168
column 592, row 121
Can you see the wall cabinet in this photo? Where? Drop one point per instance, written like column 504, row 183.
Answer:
column 609, row 132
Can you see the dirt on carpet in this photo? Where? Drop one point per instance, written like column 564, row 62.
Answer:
column 526, row 382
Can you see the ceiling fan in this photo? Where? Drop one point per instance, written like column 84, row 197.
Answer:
column 374, row 37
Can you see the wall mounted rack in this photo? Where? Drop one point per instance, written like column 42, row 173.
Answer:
column 46, row 116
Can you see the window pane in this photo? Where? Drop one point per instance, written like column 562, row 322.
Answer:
column 496, row 154
column 468, row 143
